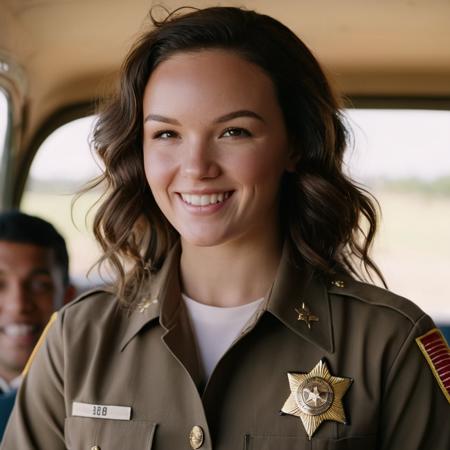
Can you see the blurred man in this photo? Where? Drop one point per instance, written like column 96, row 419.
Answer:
column 34, row 282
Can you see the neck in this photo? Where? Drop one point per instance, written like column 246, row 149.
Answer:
column 8, row 375
column 230, row 274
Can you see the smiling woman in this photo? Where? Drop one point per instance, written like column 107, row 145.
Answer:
column 238, row 319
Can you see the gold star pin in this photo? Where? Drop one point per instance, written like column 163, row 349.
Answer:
column 145, row 304
column 315, row 397
column 305, row 315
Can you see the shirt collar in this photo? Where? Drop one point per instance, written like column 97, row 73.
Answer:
column 162, row 295
column 292, row 287
column 6, row 386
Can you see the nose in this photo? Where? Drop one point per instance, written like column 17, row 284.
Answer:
column 200, row 160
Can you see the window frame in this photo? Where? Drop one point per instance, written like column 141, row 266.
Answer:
column 13, row 83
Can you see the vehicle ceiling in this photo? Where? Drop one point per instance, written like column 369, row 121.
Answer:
column 70, row 50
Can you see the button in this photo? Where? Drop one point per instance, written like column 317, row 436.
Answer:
column 95, row 447
column 196, row 437
column 338, row 283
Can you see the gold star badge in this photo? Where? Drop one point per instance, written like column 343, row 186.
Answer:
column 316, row 396
column 305, row 314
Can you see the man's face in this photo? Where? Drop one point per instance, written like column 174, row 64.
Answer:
column 31, row 288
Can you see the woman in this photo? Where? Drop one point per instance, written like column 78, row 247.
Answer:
column 236, row 321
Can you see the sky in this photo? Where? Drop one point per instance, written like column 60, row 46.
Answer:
column 400, row 144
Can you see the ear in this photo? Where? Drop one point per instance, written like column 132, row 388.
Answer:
column 69, row 294
column 292, row 160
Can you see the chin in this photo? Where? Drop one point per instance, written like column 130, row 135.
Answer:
column 203, row 239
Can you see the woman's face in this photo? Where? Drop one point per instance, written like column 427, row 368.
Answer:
column 215, row 147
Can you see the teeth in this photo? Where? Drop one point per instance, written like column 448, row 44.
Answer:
column 205, row 200
column 18, row 329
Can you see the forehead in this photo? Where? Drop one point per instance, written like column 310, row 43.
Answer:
column 216, row 76
column 24, row 257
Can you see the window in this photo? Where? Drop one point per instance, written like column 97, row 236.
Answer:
column 403, row 157
column 63, row 164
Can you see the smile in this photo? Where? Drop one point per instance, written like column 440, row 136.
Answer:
column 18, row 329
column 205, row 199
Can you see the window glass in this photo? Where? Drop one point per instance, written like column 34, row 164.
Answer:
column 3, row 120
column 403, row 157
column 61, row 167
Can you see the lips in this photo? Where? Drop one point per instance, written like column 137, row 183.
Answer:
column 205, row 199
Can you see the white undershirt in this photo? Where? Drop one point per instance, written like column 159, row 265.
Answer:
column 6, row 386
column 216, row 328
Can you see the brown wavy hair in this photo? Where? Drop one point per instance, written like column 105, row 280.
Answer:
column 328, row 219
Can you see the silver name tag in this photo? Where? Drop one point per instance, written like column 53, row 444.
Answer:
column 101, row 411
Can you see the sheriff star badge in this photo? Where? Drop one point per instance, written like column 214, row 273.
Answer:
column 316, row 396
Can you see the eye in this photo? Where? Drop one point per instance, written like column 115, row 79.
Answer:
column 40, row 285
column 165, row 134
column 236, row 132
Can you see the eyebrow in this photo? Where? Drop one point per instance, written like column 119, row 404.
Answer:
column 34, row 272
column 221, row 119
column 39, row 271
column 159, row 118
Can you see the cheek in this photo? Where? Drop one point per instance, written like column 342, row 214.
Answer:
column 45, row 304
column 159, row 170
column 258, row 167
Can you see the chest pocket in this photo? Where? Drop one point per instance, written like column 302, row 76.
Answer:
column 354, row 443
column 296, row 443
column 83, row 433
column 276, row 443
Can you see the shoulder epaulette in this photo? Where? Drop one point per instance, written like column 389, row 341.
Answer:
column 374, row 295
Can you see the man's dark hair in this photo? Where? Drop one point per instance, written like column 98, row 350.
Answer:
column 16, row 226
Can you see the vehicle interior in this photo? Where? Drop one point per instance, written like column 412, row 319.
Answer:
column 59, row 57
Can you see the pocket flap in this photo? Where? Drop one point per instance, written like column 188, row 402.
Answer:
column 84, row 432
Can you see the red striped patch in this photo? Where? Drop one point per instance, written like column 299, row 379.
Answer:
column 436, row 351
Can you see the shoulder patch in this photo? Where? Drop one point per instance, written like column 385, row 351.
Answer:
column 437, row 353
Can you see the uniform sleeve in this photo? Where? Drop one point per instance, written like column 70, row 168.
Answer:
column 415, row 412
column 37, row 420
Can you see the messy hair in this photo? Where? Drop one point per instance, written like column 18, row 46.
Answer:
column 329, row 221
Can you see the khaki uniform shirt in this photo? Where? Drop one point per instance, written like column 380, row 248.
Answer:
column 98, row 356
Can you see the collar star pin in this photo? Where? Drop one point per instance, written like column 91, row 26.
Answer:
column 305, row 315
column 316, row 396
column 145, row 304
